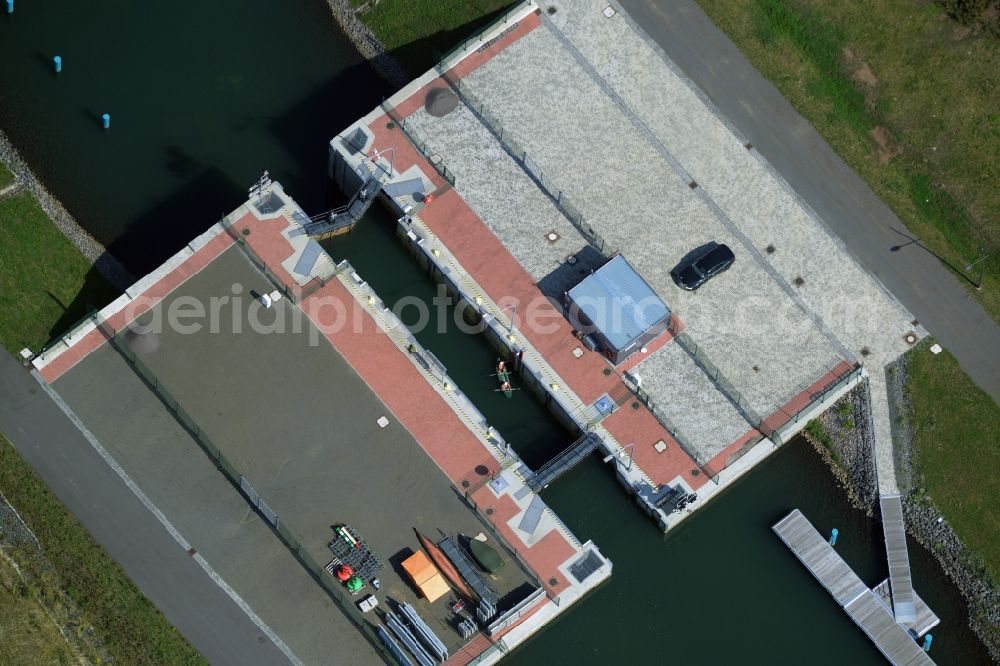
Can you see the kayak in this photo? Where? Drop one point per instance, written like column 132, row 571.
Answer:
column 504, row 378
column 446, row 568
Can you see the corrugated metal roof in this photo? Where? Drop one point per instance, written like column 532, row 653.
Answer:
column 619, row 302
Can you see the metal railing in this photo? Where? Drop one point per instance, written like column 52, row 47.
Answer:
column 432, row 157
column 530, row 166
column 234, row 476
column 478, row 37
column 700, row 357
column 839, row 380
column 293, row 291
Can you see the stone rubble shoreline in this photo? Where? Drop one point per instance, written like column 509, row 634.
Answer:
column 849, row 457
column 368, row 45
column 108, row 266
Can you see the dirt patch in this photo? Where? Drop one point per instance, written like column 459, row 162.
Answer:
column 859, row 70
column 960, row 32
column 885, row 147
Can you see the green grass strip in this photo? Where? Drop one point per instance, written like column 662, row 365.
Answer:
column 46, row 285
column 132, row 629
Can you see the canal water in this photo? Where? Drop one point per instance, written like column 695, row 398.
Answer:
column 203, row 97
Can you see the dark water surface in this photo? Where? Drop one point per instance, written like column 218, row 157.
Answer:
column 722, row 588
column 202, row 97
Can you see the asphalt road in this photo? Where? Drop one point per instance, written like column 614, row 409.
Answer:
column 120, row 522
column 843, row 201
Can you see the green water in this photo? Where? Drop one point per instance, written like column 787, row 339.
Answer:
column 202, row 98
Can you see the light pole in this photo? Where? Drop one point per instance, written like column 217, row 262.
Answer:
column 982, row 269
column 628, row 447
column 513, row 312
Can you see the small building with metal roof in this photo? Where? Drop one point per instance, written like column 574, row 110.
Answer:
column 617, row 309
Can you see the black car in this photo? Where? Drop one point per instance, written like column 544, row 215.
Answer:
column 704, row 263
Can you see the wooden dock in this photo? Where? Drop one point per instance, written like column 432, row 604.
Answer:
column 926, row 619
column 900, row 583
column 863, row 605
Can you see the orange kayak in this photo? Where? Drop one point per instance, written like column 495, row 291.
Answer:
column 446, row 568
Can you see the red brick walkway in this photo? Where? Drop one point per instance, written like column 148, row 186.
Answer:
column 140, row 304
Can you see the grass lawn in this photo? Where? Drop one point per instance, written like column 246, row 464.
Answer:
column 414, row 30
column 6, row 177
column 29, row 636
column 132, row 629
column 45, row 283
column 957, row 457
column 908, row 97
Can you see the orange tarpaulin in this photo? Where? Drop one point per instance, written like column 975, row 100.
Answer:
column 425, row 576
column 419, row 568
column 434, row 587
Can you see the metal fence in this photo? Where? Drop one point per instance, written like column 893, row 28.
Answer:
column 720, row 380
column 337, row 594
column 293, row 291
column 793, row 416
column 433, row 158
column 530, row 165
column 504, row 19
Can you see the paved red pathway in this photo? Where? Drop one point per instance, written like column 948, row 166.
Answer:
column 140, row 304
column 505, row 281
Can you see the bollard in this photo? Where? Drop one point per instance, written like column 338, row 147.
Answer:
column 10, row 6
column 57, row 62
column 927, row 642
column 833, row 536
column 106, row 120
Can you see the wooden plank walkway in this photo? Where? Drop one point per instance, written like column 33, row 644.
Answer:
column 900, row 583
column 819, row 557
column 892, row 639
column 926, row 618
column 860, row 603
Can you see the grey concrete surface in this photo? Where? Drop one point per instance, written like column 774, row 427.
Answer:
column 505, row 198
column 686, row 396
column 291, row 414
column 752, row 330
column 843, row 201
column 131, row 534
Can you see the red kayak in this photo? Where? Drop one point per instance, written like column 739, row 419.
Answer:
column 446, row 568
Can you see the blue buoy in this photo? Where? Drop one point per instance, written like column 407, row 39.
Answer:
column 106, row 120
column 10, row 6
column 57, row 61
column 833, row 536
column 927, row 642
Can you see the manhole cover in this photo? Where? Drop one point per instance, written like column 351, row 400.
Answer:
column 695, row 472
column 606, row 371
column 551, row 10
column 798, row 282
column 865, row 351
column 489, row 512
column 910, row 338
column 769, row 249
column 553, row 581
column 440, row 102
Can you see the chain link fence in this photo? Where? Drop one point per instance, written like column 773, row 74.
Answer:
column 236, row 478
